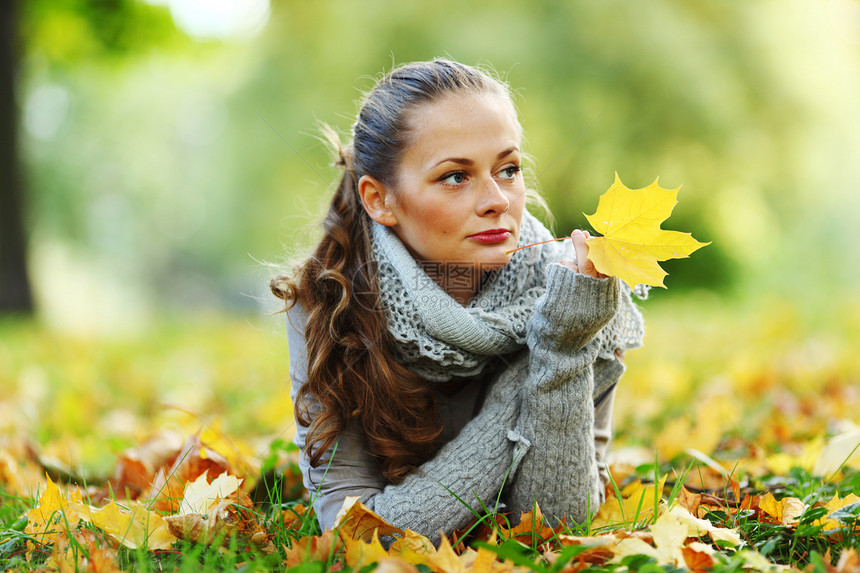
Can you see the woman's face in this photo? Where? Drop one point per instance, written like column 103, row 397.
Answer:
column 459, row 194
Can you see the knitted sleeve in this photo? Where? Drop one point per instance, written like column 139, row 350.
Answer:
column 469, row 472
column 560, row 469
column 445, row 493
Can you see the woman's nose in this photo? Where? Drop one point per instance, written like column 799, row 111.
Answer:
column 492, row 200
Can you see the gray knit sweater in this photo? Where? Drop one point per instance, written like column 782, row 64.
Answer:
column 540, row 433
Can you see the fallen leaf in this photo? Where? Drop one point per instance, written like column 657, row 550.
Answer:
column 394, row 565
column 54, row 514
column 786, row 511
column 632, row 241
column 446, row 559
column 849, row 562
column 839, row 451
column 294, row 517
column 836, row 503
column 136, row 467
column 200, row 494
column 635, row 505
column 670, row 534
column 357, row 521
column 696, row 527
column 133, row 526
column 312, row 548
column 193, row 527
column 194, row 459
column 531, row 526
column 599, row 548
column 413, row 542
column 360, row 553
column 697, row 558
column 689, row 500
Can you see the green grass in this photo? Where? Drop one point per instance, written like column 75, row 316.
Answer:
column 758, row 403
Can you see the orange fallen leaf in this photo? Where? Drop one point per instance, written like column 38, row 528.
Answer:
column 194, row 459
column 531, row 526
column 357, row 521
column 696, row 559
column 312, row 548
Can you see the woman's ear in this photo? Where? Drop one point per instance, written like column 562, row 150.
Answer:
column 375, row 198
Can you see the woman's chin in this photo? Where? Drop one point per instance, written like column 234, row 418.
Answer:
column 494, row 263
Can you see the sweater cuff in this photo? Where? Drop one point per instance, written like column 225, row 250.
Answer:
column 576, row 299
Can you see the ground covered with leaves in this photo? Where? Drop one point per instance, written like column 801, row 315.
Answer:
column 737, row 430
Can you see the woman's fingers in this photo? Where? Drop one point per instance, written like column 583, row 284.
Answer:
column 570, row 264
column 580, row 247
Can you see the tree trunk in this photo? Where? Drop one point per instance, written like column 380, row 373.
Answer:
column 14, row 283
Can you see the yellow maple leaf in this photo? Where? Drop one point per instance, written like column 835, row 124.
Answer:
column 833, row 505
column 632, row 241
column 360, row 553
column 635, row 505
column 54, row 514
column 133, row 526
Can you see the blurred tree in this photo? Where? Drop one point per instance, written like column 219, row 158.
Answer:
column 14, row 281
column 104, row 29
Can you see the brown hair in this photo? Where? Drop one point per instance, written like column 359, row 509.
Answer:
column 351, row 372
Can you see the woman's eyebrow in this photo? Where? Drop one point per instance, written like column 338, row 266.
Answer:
column 467, row 161
column 507, row 151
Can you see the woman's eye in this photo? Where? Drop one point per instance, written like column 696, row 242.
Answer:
column 456, row 178
column 509, row 172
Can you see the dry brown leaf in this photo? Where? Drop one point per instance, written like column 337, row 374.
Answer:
column 194, row 459
column 294, row 517
column 194, row 527
column 689, row 500
column 531, row 526
column 599, row 547
column 359, row 522
column 697, row 560
column 316, row 548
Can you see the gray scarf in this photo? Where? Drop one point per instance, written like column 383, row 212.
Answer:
column 438, row 338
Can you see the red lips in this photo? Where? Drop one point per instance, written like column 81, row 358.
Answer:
column 491, row 236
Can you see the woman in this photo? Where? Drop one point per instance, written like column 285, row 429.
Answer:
column 435, row 374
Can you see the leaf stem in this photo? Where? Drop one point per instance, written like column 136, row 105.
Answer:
column 534, row 244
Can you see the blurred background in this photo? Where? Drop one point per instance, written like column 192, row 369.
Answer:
column 161, row 156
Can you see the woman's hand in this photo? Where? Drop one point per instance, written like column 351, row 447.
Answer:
column 582, row 264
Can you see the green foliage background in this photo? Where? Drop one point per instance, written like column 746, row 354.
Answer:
column 164, row 170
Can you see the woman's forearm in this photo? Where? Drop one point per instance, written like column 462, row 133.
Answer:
column 560, row 470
